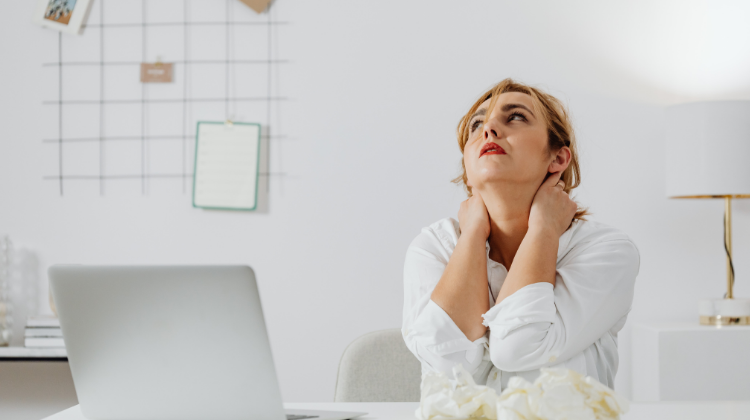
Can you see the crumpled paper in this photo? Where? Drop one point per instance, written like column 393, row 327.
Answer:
column 557, row 394
column 460, row 399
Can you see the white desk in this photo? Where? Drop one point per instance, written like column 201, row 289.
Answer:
column 724, row 410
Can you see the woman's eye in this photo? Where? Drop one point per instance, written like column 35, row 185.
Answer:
column 476, row 124
column 516, row 116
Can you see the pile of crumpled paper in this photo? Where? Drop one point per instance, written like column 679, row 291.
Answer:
column 557, row 394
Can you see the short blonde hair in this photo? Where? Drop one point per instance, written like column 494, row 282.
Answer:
column 559, row 130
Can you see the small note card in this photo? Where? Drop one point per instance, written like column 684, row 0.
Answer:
column 156, row 72
column 226, row 165
column 258, row 5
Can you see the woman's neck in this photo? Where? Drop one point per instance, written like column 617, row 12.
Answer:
column 508, row 209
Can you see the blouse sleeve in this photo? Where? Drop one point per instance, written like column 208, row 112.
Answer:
column 429, row 332
column 540, row 325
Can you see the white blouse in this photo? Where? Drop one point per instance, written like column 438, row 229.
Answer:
column 573, row 324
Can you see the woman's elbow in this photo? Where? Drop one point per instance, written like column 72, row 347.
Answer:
column 506, row 356
column 446, row 364
column 521, row 351
column 469, row 359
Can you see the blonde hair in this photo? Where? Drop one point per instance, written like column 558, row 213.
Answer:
column 559, row 131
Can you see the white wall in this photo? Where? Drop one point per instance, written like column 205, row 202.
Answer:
column 376, row 91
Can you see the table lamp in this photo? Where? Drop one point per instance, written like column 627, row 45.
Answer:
column 708, row 156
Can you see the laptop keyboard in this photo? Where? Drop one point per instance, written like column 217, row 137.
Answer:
column 299, row 417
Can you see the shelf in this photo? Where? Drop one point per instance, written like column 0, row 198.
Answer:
column 23, row 353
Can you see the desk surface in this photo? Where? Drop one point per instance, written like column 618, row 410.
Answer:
column 726, row 410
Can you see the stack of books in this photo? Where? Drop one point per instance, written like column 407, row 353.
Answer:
column 43, row 332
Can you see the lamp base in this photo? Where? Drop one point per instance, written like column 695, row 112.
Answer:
column 722, row 312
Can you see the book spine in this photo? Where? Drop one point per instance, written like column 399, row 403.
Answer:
column 43, row 324
column 43, row 332
column 44, row 342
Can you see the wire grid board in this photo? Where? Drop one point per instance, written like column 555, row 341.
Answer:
column 107, row 133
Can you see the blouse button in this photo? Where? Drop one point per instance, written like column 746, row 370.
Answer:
column 495, row 377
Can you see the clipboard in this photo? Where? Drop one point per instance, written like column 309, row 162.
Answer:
column 227, row 162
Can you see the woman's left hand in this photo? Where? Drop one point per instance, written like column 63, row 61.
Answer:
column 552, row 209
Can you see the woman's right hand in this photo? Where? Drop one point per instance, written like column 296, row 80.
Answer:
column 473, row 218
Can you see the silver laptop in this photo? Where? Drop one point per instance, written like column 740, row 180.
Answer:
column 169, row 342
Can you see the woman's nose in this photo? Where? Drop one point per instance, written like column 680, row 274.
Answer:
column 490, row 130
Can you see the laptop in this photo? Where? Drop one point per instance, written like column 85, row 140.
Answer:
column 169, row 342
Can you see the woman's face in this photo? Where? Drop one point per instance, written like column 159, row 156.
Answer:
column 521, row 153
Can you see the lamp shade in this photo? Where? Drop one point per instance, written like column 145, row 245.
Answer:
column 708, row 149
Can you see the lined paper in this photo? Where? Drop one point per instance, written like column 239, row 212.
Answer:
column 226, row 165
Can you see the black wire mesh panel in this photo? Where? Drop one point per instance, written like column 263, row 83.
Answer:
column 111, row 132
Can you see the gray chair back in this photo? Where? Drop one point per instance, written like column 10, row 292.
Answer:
column 378, row 367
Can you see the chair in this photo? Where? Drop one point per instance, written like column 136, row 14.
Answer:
column 378, row 367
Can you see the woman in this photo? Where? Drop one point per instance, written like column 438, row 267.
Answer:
column 522, row 281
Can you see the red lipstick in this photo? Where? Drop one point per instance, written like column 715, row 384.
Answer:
column 491, row 149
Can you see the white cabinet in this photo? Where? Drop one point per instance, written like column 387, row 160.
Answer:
column 689, row 362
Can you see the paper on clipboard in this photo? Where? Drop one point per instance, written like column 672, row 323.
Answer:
column 226, row 165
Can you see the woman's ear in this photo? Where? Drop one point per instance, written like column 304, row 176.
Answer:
column 561, row 161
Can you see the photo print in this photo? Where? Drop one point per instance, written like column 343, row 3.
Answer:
column 64, row 15
column 60, row 10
